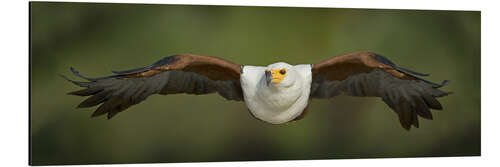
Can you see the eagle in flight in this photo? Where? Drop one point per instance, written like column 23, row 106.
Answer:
column 276, row 94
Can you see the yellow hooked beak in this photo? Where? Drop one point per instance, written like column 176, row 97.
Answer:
column 275, row 76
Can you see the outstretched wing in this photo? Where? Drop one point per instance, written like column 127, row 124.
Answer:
column 184, row 73
column 369, row 74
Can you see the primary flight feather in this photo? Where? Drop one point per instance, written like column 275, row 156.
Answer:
column 276, row 94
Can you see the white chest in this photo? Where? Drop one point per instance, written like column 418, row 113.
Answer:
column 275, row 105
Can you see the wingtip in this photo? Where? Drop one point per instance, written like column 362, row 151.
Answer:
column 444, row 83
column 136, row 70
column 81, row 84
column 388, row 62
column 96, row 114
column 80, row 75
column 80, row 105
column 111, row 115
column 404, row 70
column 73, row 70
column 64, row 77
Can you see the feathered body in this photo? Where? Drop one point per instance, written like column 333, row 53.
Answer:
column 276, row 103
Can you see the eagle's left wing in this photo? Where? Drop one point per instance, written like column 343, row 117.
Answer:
column 369, row 74
column 183, row 73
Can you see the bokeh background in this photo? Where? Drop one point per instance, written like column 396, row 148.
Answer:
column 97, row 38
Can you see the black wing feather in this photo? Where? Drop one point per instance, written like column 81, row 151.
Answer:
column 118, row 92
column 409, row 98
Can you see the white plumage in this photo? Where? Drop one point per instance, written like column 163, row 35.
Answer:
column 276, row 103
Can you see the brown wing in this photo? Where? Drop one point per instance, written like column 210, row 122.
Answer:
column 184, row 73
column 369, row 74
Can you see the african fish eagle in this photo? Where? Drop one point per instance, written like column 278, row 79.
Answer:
column 276, row 94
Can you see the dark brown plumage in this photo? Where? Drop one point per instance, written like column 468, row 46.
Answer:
column 369, row 74
column 183, row 73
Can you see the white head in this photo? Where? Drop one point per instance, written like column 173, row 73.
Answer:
column 280, row 75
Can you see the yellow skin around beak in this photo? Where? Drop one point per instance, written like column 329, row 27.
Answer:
column 278, row 75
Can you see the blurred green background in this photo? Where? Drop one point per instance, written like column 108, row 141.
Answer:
column 98, row 38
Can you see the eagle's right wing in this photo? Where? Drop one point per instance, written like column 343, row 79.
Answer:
column 184, row 73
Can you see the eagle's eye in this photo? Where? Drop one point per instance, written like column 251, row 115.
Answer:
column 283, row 72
